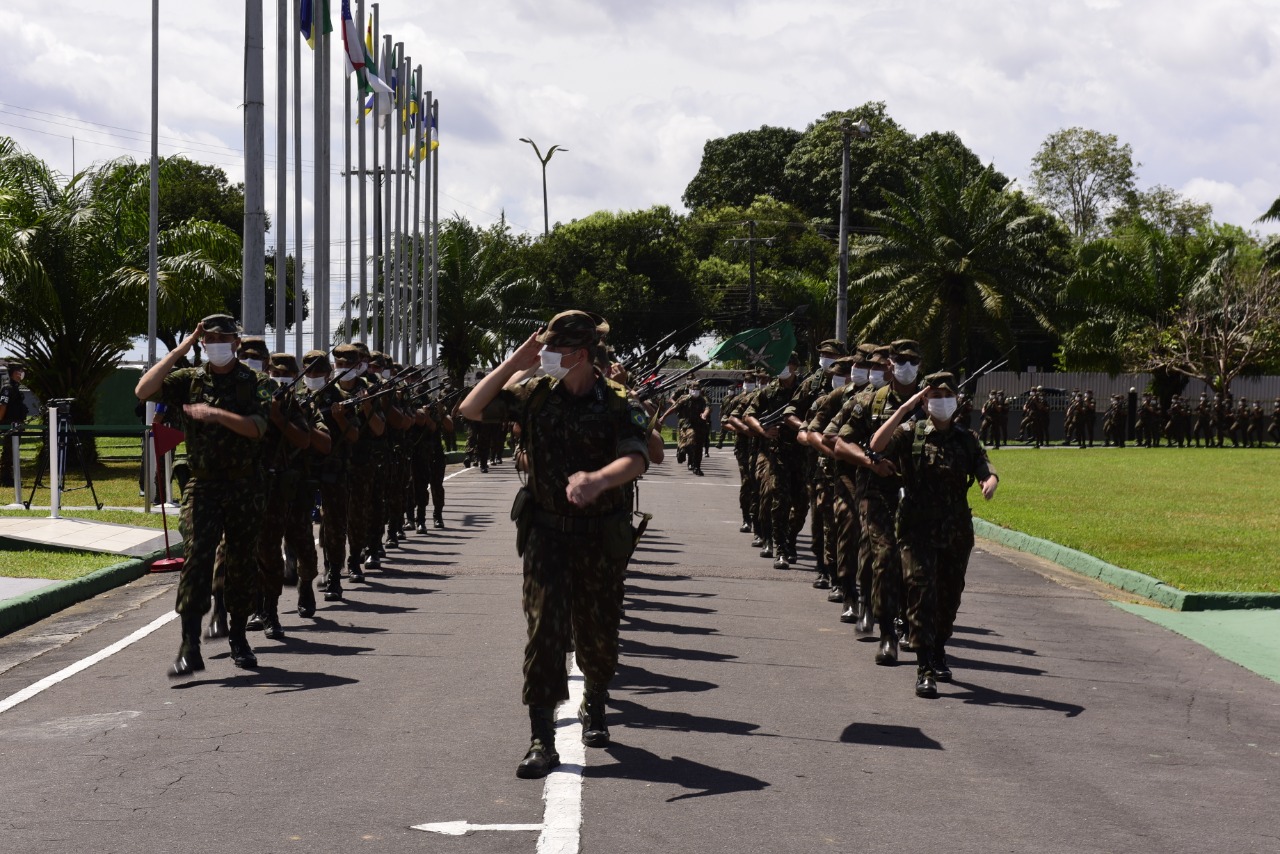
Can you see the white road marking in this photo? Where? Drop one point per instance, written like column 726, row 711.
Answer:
column 83, row 664
column 462, row 828
column 562, row 818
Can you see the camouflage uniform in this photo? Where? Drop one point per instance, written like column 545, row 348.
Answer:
column 574, row 557
column 330, row 471
column 743, row 452
column 782, row 493
column 694, row 426
column 816, row 488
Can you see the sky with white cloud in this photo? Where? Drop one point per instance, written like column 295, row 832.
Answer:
column 634, row 88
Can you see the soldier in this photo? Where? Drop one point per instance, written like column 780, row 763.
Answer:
column 986, row 423
column 823, row 505
column 1202, row 423
column 1175, row 423
column 1240, row 424
column 1070, row 420
column 292, row 430
column 796, row 415
column 782, row 493
column 351, row 362
column 938, row 461
column 1090, row 415
column 840, row 554
column 878, row 504
column 1273, row 429
column 342, row 419
column 434, row 423
column 1257, row 425
column 224, row 410
column 13, row 413
column 743, row 449
column 694, row 425
column 585, row 443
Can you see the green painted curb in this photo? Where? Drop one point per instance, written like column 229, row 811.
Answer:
column 1125, row 579
column 32, row 607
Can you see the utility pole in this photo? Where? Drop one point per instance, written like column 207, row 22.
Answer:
column 847, row 130
column 253, row 287
column 750, row 242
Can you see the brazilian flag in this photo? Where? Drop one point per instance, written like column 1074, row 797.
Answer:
column 767, row 348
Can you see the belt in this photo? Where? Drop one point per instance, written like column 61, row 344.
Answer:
column 575, row 524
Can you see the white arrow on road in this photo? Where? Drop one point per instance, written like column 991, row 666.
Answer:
column 462, row 828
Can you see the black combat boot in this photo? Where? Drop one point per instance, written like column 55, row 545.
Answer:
column 354, row 573
column 438, row 519
column 836, row 594
column 863, row 626
column 926, row 679
column 595, row 732
column 255, row 619
column 422, row 524
column 217, row 619
column 541, row 756
column 780, row 559
column 393, row 538
column 271, row 627
column 241, row 653
column 757, row 541
column 940, row 667
column 887, row 654
column 189, row 659
column 767, row 551
column 306, row 599
column 823, row 581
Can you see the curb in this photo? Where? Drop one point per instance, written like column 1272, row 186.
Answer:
column 1125, row 579
column 22, row 611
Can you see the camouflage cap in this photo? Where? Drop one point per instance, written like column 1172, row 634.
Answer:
column 574, row 329
column 906, row 347
column 223, row 324
column 317, row 358
column 254, row 347
column 347, row 353
column 865, row 352
column 833, row 347
column 942, row 379
column 284, row 362
column 882, row 353
column 379, row 358
column 362, row 349
column 843, row 366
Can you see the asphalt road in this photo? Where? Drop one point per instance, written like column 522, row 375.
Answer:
column 745, row 717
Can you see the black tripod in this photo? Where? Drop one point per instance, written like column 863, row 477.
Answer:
column 66, row 432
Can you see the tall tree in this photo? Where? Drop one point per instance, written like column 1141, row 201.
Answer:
column 1163, row 208
column 73, row 283
column 737, row 168
column 953, row 261
column 1081, row 175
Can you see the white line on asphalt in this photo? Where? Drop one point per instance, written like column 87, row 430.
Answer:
column 562, row 820
column 67, row 672
column 462, row 828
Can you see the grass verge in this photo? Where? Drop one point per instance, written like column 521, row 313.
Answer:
column 54, row 565
column 1198, row 519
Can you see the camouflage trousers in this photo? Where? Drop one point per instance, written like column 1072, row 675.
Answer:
column 428, row 482
column 935, row 554
column 822, row 520
column 747, row 475
column 394, row 485
column 848, row 528
column 878, row 546
column 760, row 509
column 376, row 518
column 334, row 507
column 287, row 520
column 787, row 501
column 212, row 510
column 572, row 591
column 360, row 511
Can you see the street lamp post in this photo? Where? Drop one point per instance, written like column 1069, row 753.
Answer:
column 847, row 130
column 546, row 217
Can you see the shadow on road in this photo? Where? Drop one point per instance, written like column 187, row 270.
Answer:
column 633, row 590
column 284, row 681
column 631, row 646
column 641, row 681
column 639, row 717
column 978, row 695
column 967, row 643
column 633, row 763
column 888, row 735
column 634, row 604
column 639, row 624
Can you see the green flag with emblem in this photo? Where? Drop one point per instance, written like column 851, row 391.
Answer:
column 767, row 348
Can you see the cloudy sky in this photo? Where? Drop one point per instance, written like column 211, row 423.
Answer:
column 633, row 88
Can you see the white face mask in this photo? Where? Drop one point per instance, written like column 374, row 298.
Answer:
column 315, row 383
column 551, row 364
column 748, row 387
column 859, row 376
column 220, row 354
column 362, row 369
column 695, row 393
column 826, row 361
column 876, row 378
column 386, row 375
column 837, row 381
column 786, row 373
column 942, row 408
column 905, row 373
column 254, row 364
column 349, row 374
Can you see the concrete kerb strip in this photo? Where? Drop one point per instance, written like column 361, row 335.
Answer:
column 32, row 607
column 1125, row 579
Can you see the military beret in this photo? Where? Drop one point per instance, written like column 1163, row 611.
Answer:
column 906, row 347
column 942, row 379
column 255, row 346
column 574, row 329
column 284, row 362
column 832, row 347
column 223, row 324
column 315, row 358
column 347, row 353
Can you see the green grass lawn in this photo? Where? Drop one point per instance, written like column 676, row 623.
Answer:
column 1199, row 519
column 59, row 566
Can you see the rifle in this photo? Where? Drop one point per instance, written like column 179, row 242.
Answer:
column 286, row 389
column 636, row 361
column 649, row 390
column 979, row 374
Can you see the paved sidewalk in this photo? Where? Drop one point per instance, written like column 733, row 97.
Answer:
column 87, row 535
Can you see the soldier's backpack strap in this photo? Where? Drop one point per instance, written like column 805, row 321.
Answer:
column 879, row 402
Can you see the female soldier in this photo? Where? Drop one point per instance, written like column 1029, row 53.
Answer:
column 938, row 461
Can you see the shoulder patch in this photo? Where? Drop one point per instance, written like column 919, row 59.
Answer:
column 638, row 417
column 857, row 410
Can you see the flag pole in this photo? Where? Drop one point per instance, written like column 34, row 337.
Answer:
column 375, row 306
column 417, row 309
column 428, row 310
column 153, row 254
column 387, row 285
column 253, row 284
column 282, row 163
column 299, row 289
column 326, row 218
column 402, row 87
column 346, row 140
column 364, row 243
column 435, row 235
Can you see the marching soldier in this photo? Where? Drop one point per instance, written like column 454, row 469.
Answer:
column 782, row 493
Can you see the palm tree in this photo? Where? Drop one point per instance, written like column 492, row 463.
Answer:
column 73, row 283
column 955, row 259
column 486, row 303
